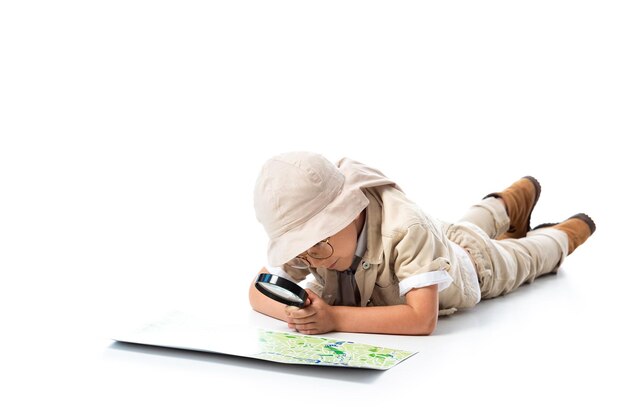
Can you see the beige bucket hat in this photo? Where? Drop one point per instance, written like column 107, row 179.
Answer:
column 301, row 198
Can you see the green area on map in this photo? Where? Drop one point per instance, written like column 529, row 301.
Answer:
column 304, row 349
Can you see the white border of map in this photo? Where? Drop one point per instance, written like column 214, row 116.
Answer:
column 178, row 330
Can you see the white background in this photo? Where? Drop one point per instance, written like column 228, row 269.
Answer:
column 131, row 134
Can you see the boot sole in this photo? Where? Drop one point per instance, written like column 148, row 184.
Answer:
column 535, row 183
column 587, row 219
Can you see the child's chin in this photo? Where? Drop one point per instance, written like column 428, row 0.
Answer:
column 338, row 266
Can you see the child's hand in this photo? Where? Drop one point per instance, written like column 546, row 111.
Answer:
column 314, row 318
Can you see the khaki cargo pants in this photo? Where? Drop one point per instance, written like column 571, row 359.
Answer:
column 504, row 265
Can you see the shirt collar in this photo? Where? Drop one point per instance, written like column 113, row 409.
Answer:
column 361, row 244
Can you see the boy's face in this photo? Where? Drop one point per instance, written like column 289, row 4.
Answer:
column 344, row 246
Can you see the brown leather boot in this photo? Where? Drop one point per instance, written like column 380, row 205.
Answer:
column 520, row 199
column 578, row 228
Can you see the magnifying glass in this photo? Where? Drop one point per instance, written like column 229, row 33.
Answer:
column 281, row 290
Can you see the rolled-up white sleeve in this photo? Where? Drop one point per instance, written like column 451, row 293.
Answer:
column 441, row 278
column 421, row 259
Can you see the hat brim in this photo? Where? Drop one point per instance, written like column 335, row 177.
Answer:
column 332, row 219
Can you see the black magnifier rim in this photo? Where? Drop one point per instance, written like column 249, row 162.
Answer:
column 285, row 284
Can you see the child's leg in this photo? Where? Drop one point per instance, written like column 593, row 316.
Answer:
column 489, row 215
column 518, row 261
column 506, row 214
column 503, row 265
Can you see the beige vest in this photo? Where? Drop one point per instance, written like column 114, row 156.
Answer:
column 402, row 241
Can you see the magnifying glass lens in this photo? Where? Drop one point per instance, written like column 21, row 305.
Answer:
column 280, row 292
column 281, row 289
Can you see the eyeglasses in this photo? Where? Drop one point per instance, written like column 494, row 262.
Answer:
column 320, row 251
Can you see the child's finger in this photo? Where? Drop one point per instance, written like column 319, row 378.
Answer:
column 312, row 296
column 290, row 309
column 302, row 313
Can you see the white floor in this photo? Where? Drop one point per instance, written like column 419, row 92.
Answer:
column 552, row 347
column 130, row 139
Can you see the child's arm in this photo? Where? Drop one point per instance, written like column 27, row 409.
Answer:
column 417, row 317
column 265, row 305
